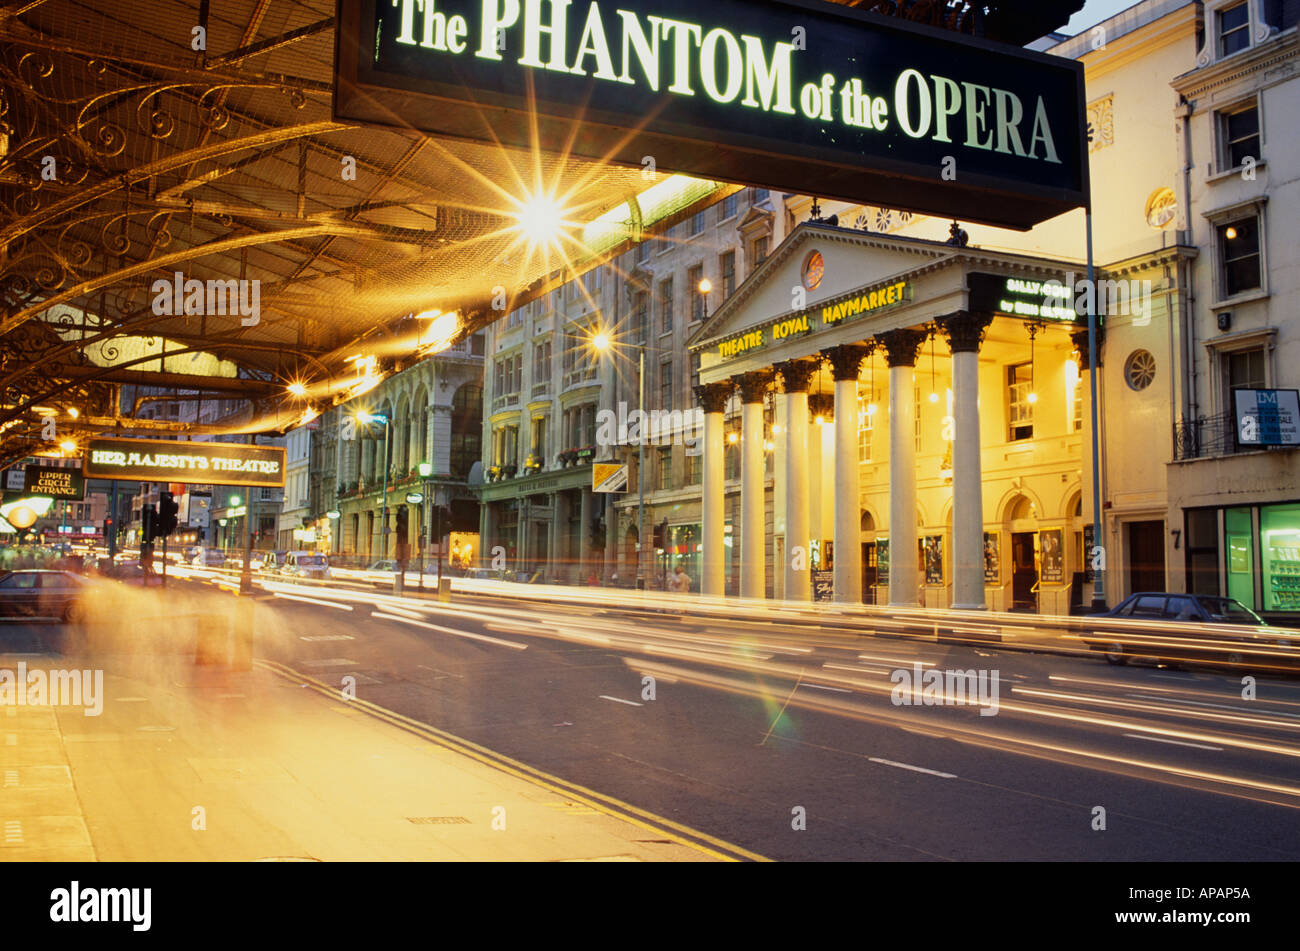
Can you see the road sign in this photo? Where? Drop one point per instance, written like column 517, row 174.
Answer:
column 606, row 477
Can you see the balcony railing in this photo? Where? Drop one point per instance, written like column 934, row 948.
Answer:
column 1205, row 437
column 541, row 389
column 504, row 401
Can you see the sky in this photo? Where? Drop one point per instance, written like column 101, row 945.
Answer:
column 1093, row 12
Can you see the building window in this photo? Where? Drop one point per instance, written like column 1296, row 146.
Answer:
column 727, row 268
column 1234, row 29
column 537, row 443
column 665, row 468
column 542, row 362
column 1239, row 252
column 477, row 345
column 694, row 277
column 1139, row 370
column 1020, row 409
column 1243, row 370
column 697, row 223
column 641, row 315
column 758, row 250
column 866, row 423
column 731, row 449
column 643, row 252
column 729, row 207
column 693, row 471
column 1238, row 137
column 666, row 386
column 666, row 306
column 759, row 195
column 695, row 373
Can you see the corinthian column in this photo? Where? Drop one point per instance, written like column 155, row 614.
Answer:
column 965, row 333
column 713, row 398
column 901, row 349
column 846, row 365
column 795, row 376
column 753, row 560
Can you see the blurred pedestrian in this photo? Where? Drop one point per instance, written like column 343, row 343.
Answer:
column 681, row 581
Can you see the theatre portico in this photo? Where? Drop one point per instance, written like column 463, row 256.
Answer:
column 926, row 407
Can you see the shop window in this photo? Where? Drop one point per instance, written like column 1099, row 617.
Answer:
column 1234, row 29
column 1239, row 538
column 1238, row 137
column 1020, row 407
column 1201, row 531
column 1239, row 255
column 1279, row 532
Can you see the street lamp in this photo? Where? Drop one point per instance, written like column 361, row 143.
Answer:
column 426, row 470
column 364, row 418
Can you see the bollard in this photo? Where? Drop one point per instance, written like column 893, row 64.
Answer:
column 241, row 654
column 399, row 583
column 444, row 589
column 212, row 647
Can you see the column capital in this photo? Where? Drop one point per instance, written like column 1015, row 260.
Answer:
column 846, row 360
column 901, row 346
column 1080, row 340
column 754, row 385
column 797, row 374
column 714, row 396
column 964, row 330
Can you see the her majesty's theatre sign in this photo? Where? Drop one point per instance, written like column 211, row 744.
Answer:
column 794, row 96
column 196, row 463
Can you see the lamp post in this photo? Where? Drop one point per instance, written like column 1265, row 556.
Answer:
column 426, row 470
column 383, row 515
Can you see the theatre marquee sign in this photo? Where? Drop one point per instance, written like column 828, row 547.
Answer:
column 202, row 463
column 774, row 93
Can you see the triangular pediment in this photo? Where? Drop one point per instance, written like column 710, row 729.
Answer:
column 848, row 259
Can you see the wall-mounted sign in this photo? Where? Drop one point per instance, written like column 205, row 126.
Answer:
column 1031, row 298
column 414, row 498
column 862, row 303
column 882, row 561
column 54, row 481
column 15, row 479
column 992, row 558
column 823, row 584
column 1052, row 556
column 1267, row 417
column 932, row 556
column 607, row 477
column 209, row 463
column 773, row 93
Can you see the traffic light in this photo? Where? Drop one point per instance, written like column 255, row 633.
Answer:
column 108, row 528
column 661, row 534
column 168, row 510
column 148, row 524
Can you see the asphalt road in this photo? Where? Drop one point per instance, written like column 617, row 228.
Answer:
column 786, row 740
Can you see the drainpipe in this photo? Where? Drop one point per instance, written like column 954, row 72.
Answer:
column 1188, row 298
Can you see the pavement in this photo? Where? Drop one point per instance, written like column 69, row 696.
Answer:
column 191, row 763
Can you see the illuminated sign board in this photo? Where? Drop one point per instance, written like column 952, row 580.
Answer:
column 209, row 463
column 1020, row 296
column 855, row 305
column 54, row 481
column 775, row 93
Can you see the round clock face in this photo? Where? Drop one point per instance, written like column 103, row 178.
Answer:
column 814, row 268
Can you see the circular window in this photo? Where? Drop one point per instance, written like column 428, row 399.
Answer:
column 814, row 268
column 1139, row 369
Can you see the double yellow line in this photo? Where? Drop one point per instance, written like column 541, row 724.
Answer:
column 676, row 832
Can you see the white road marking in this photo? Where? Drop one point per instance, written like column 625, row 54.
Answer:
column 331, row 662
column 630, row 703
column 915, row 769
column 451, row 630
column 13, row 832
column 313, row 638
column 1160, row 739
column 11, row 777
column 320, row 601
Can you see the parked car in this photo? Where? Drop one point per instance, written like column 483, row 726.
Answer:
column 383, row 565
column 33, row 592
column 1188, row 627
column 306, row 564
